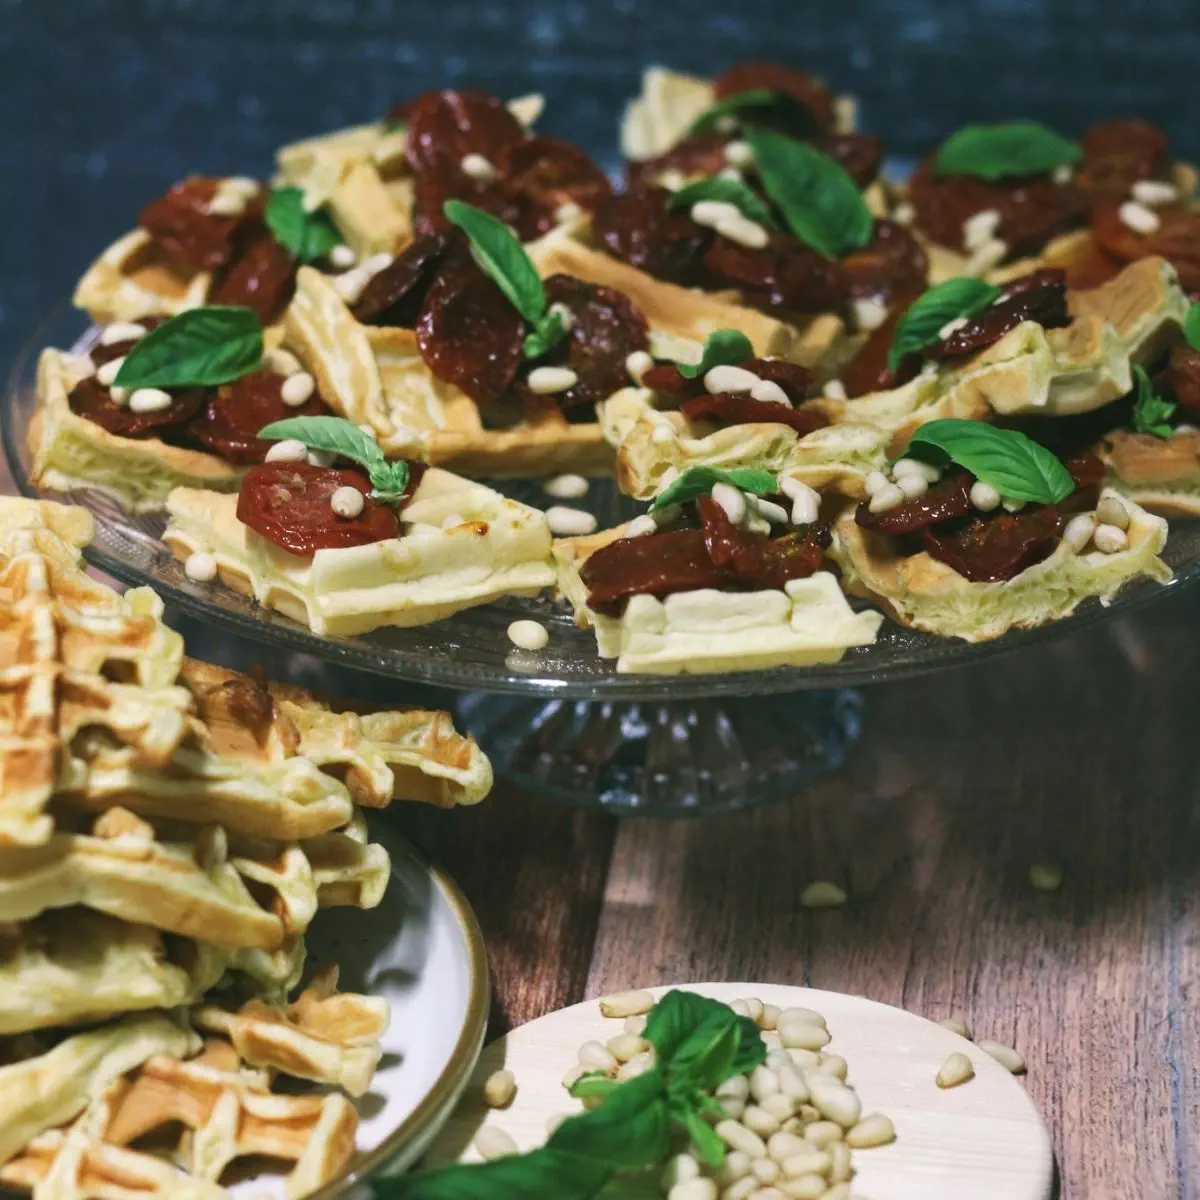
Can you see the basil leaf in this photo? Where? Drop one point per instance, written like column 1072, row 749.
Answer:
column 397, row 126
column 547, row 332
column 594, row 1083
column 201, row 347
column 699, row 481
column 706, row 1141
column 819, row 201
column 922, row 322
column 1016, row 466
column 540, row 1175
column 1191, row 327
column 308, row 235
column 502, row 257
column 722, row 348
column 1004, row 151
column 724, row 1045
column 631, row 1129
column 1151, row 412
column 728, row 191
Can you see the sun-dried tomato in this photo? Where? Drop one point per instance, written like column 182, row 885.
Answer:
column 606, row 327
column 394, row 296
column 91, row 399
column 945, row 501
column 868, row 370
column 794, row 379
column 1183, row 378
column 1032, row 210
column 182, row 225
column 757, row 560
column 1177, row 239
column 658, row 565
column 891, row 264
column 1040, row 296
column 288, row 504
column 785, row 274
column 998, row 546
column 469, row 334
column 261, row 277
column 445, row 126
column 1119, row 152
column 636, row 227
column 229, row 423
column 695, row 156
column 542, row 174
column 740, row 408
column 812, row 95
column 860, row 153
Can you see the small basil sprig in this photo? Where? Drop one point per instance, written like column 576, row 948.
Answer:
column 201, row 347
column 502, row 257
column 1191, row 327
column 1015, row 465
column 335, row 435
column 1011, row 149
column 700, row 481
column 922, row 322
column 308, row 235
column 728, row 191
column 1151, row 412
column 819, row 201
column 722, row 348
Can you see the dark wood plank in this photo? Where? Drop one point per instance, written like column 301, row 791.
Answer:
column 1080, row 754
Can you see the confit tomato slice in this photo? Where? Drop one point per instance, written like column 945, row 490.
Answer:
column 91, row 399
column 262, row 277
column 755, row 560
column 868, row 371
column 1040, row 296
column 235, row 412
column 542, row 174
column 997, row 547
column 861, row 154
column 694, row 156
column 1119, row 152
column 740, row 408
column 182, row 225
column 469, row 334
column 1177, row 239
column 947, row 500
column 446, row 125
column 785, row 274
column 1183, row 378
column 891, row 264
column 288, row 504
column 637, row 227
column 395, row 295
column 808, row 91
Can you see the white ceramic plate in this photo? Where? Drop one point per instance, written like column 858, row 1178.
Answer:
column 983, row 1140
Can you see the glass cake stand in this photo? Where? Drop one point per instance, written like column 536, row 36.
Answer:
column 561, row 720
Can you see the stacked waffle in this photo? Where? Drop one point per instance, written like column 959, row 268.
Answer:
column 168, row 832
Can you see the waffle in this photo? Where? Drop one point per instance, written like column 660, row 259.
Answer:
column 1162, row 475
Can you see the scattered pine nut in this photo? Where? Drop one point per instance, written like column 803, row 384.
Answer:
column 770, row 1017
column 694, row 1189
column 1046, row 877
column 626, row 1046
column 596, row 1057
column 492, row 1143
column 872, row 1130
column 1006, row 1056
column 627, row 1004
column 957, row 1069
column 499, row 1090
column 823, row 1133
column 823, row 894
column 955, row 1026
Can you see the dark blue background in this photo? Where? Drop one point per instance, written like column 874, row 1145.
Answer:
column 106, row 102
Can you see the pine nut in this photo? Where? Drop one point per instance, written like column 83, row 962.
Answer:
column 552, row 1123
column 1108, row 539
column 872, row 1130
column 1078, row 531
column 121, row 331
column 342, row 258
column 679, row 1169
column 289, row 450
column 754, row 1006
column 572, row 487
column 770, row 1014
column 822, row 893
column 565, row 521
column 839, row 1191
column 1046, row 877
column 955, row 1026
column 734, row 1108
column 888, row 496
column 1006, row 1056
column 200, row 567
column 741, row 1190
column 780, row 1106
column 759, row 1121
column 839, row 1162
column 791, row 1083
column 734, row 504
column 796, row 1033
column 980, row 227
column 741, row 229
column 548, row 381
column 475, row 166
column 807, row 1186
column 739, row 154
column 493, row 1143
column 736, row 1087
column 914, row 466
column 500, row 1089
column 694, row 1189
column 834, row 389
column 984, row 497
column 1112, row 511
column 637, row 364
column 768, row 1193
column 626, row 1046
column 802, row 1058
column 574, row 1075
column 347, row 502
column 763, row 1083
column 297, row 389
column 782, row 1146
column 870, row 314
column 148, row 400
column 730, row 379
column 736, row 1166
column 835, row 1065
column 596, row 1057
column 710, row 213
column 795, row 1013
column 635, row 1024
column 957, row 1069
column 808, row 1160
column 736, row 1136
column 1136, row 216
column 823, row 1133
column 766, row 1170
column 904, row 214
column 635, row 1067
column 952, row 327
column 874, row 482
column 834, row 1100
column 1150, row 192
column 641, row 526
column 912, row 485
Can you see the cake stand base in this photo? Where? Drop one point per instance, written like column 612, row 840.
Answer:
column 665, row 760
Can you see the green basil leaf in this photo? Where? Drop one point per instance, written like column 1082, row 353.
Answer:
column 1005, row 151
column 728, row 191
column 1016, row 466
column 754, row 102
column 723, row 1045
column 1191, row 327
column 819, row 201
column 707, row 1143
column 201, row 347
column 540, row 1175
column 501, row 256
column 389, row 481
column 594, row 1083
column 308, row 235
column 722, row 348
column 699, row 481
column 922, row 322
column 547, row 332
column 1151, row 412
column 397, row 126
column 631, row 1129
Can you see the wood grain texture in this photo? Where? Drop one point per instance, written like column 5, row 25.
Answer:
column 1080, row 755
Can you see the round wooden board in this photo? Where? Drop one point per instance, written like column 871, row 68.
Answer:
column 983, row 1140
